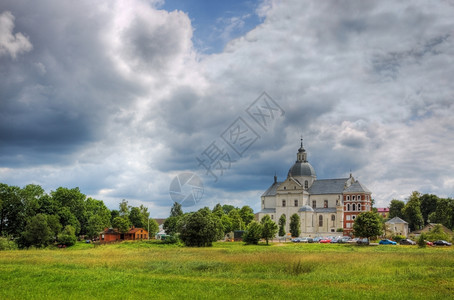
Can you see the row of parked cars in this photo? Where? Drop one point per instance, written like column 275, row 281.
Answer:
column 362, row 241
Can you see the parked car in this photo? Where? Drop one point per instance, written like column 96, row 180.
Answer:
column 364, row 241
column 296, row 240
column 387, row 242
column 407, row 242
column 317, row 239
column 428, row 243
column 325, row 240
column 353, row 241
column 306, row 240
column 344, row 239
column 442, row 243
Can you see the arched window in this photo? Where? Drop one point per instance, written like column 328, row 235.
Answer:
column 285, row 187
column 283, row 203
column 348, row 207
column 358, row 197
column 296, row 202
column 320, row 221
column 348, row 197
column 325, row 204
column 353, row 197
column 314, row 204
column 306, row 184
column 354, row 207
column 333, row 217
column 359, row 207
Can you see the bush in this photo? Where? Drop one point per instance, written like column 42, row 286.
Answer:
column 340, row 230
column 171, row 239
column 67, row 237
column 7, row 244
column 421, row 241
column 253, row 233
column 398, row 238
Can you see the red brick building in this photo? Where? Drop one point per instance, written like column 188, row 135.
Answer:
column 110, row 234
column 357, row 199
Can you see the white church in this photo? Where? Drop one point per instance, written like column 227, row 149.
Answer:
column 323, row 205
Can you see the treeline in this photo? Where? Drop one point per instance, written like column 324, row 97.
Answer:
column 421, row 210
column 31, row 217
column 205, row 226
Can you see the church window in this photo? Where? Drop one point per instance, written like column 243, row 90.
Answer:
column 314, row 204
column 333, row 217
column 283, row 203
column 348, row 197
column 296, row 202
column 272, row 217
column 354, row 207
column 320, row 221
column 306, row 184
column 294, row 187
column 359, row 207
column 325, row 204
column 285, row 187
column 263, row 202
column 359, row 197
column 349, row 225
column 353, row 197
column 348, row 218
column 353, row 217
column 348, row 207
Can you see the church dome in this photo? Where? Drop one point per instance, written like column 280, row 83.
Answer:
column 301, row 168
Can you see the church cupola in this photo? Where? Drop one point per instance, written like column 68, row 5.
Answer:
column 301, row 156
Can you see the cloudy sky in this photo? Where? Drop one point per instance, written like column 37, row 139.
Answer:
column 120, row 97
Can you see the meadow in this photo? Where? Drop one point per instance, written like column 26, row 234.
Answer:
column 142, row 270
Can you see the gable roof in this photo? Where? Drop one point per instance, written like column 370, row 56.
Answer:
column 357, row 187
column 134, row 230
column 271, row 191
column 396, row 220
column 327, row 186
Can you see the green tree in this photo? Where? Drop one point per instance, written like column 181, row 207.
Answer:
column 437, row 233
column 95, row 226
column 269, row 228
column 153, row 227
column 122, row 224
column 74, row 200
column 227, row 208
column 124, row 209
column 295, row 225
column 367, row 224
column 136, row 218
column 68, row 218
column 253, row 233
column 282, row 222
column 113, row 214
column 12, row 218
column 428, row 205
column 412, row 212
column 95, row 207
column 200, row 228
column 237, row 221
column 226, row 223
column 171, row 225
column 53, row 221
column 37, row 233
column 176, row 210
column 68, row 236
column 395, row 209
column 218, row 211
column 442, row 213
column 247, row 214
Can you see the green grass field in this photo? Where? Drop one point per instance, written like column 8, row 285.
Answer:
column 228, row 270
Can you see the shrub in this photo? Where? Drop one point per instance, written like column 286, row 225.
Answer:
column 7, row 244
column 253, row 233
column 398, row 238
column 421, row 241
column 67, row 237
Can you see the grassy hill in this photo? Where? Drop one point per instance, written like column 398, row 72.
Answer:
column 140, row 270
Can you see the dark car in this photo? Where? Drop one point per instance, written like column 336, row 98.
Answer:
column 407, row 242
column 442, row 243
column 364, row 241
column 344, row 239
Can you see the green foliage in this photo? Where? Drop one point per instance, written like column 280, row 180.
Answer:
column 200, row 228
column 122, row 224
column 367, row 225
column 253, row 233
column 67, row 237
column 7, row 244
column 412, row 212
column 95, row 226
column 282, row 222
column 246, row 214
column 218, row 211
column 153, row 227
column 443, row 213
column 340, row 230
column 295, row 225
column 421, row 241
column 227, row 208
column 437, row 233
column 269, row 228
column 237, row 221
column 176, row 210
column 395, row 209
column 227, row 223
column 398, row 238
column 428, row 205
column 124, row 208
column 171, row 225
column 37, row 233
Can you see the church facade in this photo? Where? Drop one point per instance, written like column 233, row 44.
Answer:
column 323, row 205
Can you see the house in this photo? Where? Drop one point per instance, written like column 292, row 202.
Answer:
column 324, row 206
column 397, row 226
column 430, row 226
column 111, row 234
column 384, row 212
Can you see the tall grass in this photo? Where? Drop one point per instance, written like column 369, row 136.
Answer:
column 227, row 270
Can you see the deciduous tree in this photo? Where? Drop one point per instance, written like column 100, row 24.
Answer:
column 269, row 228
column 253, row 233
column 282, row 221
column 295, row 225
column 367, row 224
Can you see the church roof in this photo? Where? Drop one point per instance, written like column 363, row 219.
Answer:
column 300, row 168
column 357, row 187
column 396, row 220
column 305, row 208
column 267, row 210
column 327, row 186
column 271, row 191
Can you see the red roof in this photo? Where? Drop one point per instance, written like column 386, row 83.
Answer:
column 134, row 230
